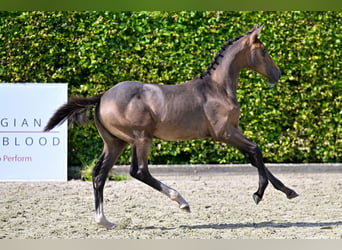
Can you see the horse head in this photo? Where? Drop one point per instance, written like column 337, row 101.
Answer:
column 258, row 58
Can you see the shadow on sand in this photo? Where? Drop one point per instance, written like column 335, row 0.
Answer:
column 322, row 225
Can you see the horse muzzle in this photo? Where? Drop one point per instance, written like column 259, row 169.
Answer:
column 274, row 76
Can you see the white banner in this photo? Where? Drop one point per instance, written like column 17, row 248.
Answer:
column 26, row 152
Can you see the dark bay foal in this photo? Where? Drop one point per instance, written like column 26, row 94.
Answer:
column 206, row 107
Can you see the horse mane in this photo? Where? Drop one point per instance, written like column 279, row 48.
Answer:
column 220, row 55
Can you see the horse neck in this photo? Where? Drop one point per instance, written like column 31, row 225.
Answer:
column 228, row 71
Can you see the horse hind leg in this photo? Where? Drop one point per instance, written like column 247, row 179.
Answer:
column 139, row 170
column 99, row 174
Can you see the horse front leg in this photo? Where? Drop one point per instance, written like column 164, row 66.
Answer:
column 277, row 184
column 235, row 138
column 139, row 170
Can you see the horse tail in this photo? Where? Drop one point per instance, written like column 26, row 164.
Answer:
column 75, row 111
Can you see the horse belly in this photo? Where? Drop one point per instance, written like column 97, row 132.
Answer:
column 177, row 132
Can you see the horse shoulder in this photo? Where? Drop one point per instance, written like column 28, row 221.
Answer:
column 221, row 114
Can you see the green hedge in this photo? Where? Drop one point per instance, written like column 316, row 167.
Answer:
column 299, row 120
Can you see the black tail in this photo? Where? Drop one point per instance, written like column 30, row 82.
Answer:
column 74, row 110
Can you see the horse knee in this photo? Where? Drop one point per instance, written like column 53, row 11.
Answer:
column 254, row 150
column 254, row 155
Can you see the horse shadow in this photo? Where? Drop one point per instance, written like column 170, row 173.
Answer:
column 266, row 224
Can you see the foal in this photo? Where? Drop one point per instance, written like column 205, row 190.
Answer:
column 206, row 107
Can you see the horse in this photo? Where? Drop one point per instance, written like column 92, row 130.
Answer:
column 134, row 113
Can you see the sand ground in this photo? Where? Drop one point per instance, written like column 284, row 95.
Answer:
column 222, row 208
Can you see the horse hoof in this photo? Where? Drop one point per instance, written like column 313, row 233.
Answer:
column 256, row 198
column 111, row 226
column 292, row 194
column 108, row 225
column 185, row 207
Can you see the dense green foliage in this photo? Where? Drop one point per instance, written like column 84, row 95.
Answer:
column 298, row 120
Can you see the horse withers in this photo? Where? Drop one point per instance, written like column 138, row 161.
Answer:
column 206, row 107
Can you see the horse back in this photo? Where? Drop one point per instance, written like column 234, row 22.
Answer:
column 166, row 112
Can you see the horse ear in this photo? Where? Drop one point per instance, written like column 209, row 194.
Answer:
column 255, row 33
